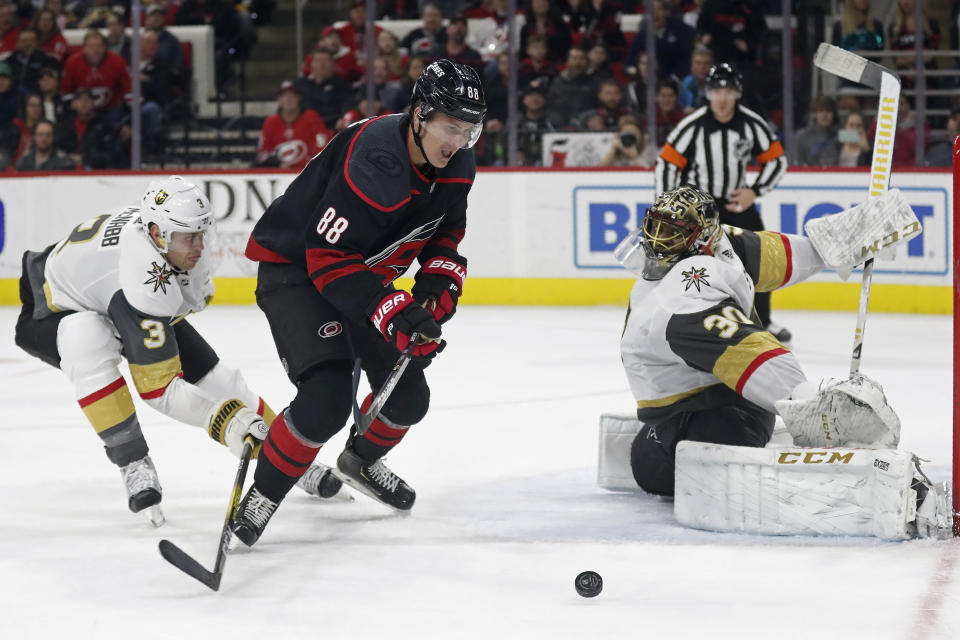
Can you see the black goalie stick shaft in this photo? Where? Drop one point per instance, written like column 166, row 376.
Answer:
column 181, row 560
column 363, row 420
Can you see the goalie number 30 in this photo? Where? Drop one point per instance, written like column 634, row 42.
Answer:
column 728, row 321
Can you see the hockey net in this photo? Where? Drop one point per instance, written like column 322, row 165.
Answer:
column 956, row 337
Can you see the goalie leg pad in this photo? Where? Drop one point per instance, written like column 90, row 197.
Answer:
column 617, row 433
column 796, row 491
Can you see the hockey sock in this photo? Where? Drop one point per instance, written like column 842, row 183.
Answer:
column 111, row 413
column 286, row 456
column 382, row 436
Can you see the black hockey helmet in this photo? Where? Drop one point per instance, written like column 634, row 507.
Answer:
column 450, row 88
column 724, row 76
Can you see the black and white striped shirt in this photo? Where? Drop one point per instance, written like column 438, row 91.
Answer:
column 713, row 155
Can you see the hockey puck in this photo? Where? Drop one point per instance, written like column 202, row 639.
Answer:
column 588, row 584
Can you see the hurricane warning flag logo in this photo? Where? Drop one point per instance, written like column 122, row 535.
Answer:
column 161, row 197
column 159, row 277
column 695, row 277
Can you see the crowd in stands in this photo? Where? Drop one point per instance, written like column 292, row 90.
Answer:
column 579, row 71
column 64, row 107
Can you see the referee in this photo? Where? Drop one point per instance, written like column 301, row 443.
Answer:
column 710, row 149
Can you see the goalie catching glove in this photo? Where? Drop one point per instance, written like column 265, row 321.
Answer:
column 840, row 413
column 233, row 421
column 397, row 317
column 438, row 286
column 874, row 228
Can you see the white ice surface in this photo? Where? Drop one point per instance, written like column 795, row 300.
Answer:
column 507, row 510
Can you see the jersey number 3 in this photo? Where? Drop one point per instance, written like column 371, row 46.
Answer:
column 331, row 226
column 156, row 337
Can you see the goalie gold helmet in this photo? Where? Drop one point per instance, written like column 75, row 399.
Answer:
column 173, row 204
column 682, row 222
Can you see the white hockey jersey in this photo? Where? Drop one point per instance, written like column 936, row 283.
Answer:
column 691, row 339
column 113, row 252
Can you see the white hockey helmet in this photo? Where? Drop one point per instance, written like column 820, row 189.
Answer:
column 174, row 204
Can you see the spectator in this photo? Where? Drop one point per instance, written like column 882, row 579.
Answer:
column 598, row 64
column 668, row 113
column 360, row 112
column 117, row 39
column 230, row 39
column 857, row 29
column 497, row 92
column 30, row 115
column 397, row 10
column 9, row 31
column 597, row 22
column 94, row 15
column 536, row 64
column 387, row 92
column 940, row 149
column 415, row 66
column 322, row 91
column 854, row 149
column 533, row 124
column 49, row 86
column 818, row 144
column 27, row 61
column 44, row 156
column 292, row 136
column 156, row 87
column 544, row 19
column 424, row 40
column 345, row 64
column 691, row 14
column 64, row 19
column 103, row 72
column 903, row 35
column 479, row 9
column 86, row 136
column 572, row 91
column 388, row 48
column 673, row 42
column 352, row 33
column 610, row 106
column 734, row 30
column 637, row 89
column 693, row 88
column 905, row 138
column 628, row 146
column 169, row 51
column 49, row 38
column 456, row 48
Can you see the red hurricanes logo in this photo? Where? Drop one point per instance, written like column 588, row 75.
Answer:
column 330, row 329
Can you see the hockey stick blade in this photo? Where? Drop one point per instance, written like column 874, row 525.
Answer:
column 181, row 560
column 178, row 558
column 849, row 65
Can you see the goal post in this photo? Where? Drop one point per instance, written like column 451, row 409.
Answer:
column 956, row 335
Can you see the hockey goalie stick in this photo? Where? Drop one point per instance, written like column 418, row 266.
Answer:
column 364, row 419
column 181, row 560
column 850, row 66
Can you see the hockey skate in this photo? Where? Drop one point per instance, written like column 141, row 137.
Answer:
column 934, row 507
column 782, row 334
column 143, row 489
column 375, row 479
column 319, row 481
column 252, row 517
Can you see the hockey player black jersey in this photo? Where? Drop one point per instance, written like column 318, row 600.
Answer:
column 360, row 212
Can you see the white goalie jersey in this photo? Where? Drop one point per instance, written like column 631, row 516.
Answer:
column 113, row 252
column 691, row 339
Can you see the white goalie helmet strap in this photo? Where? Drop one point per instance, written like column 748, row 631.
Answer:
column 173, row 204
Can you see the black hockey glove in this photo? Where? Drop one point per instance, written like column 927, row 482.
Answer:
column 440, row 279
column 397, row 316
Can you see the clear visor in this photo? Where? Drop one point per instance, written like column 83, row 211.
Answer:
column 189, row 242
column 636, row 255
column 458, row 133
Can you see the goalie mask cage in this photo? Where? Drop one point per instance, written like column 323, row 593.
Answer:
column 956, row 337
